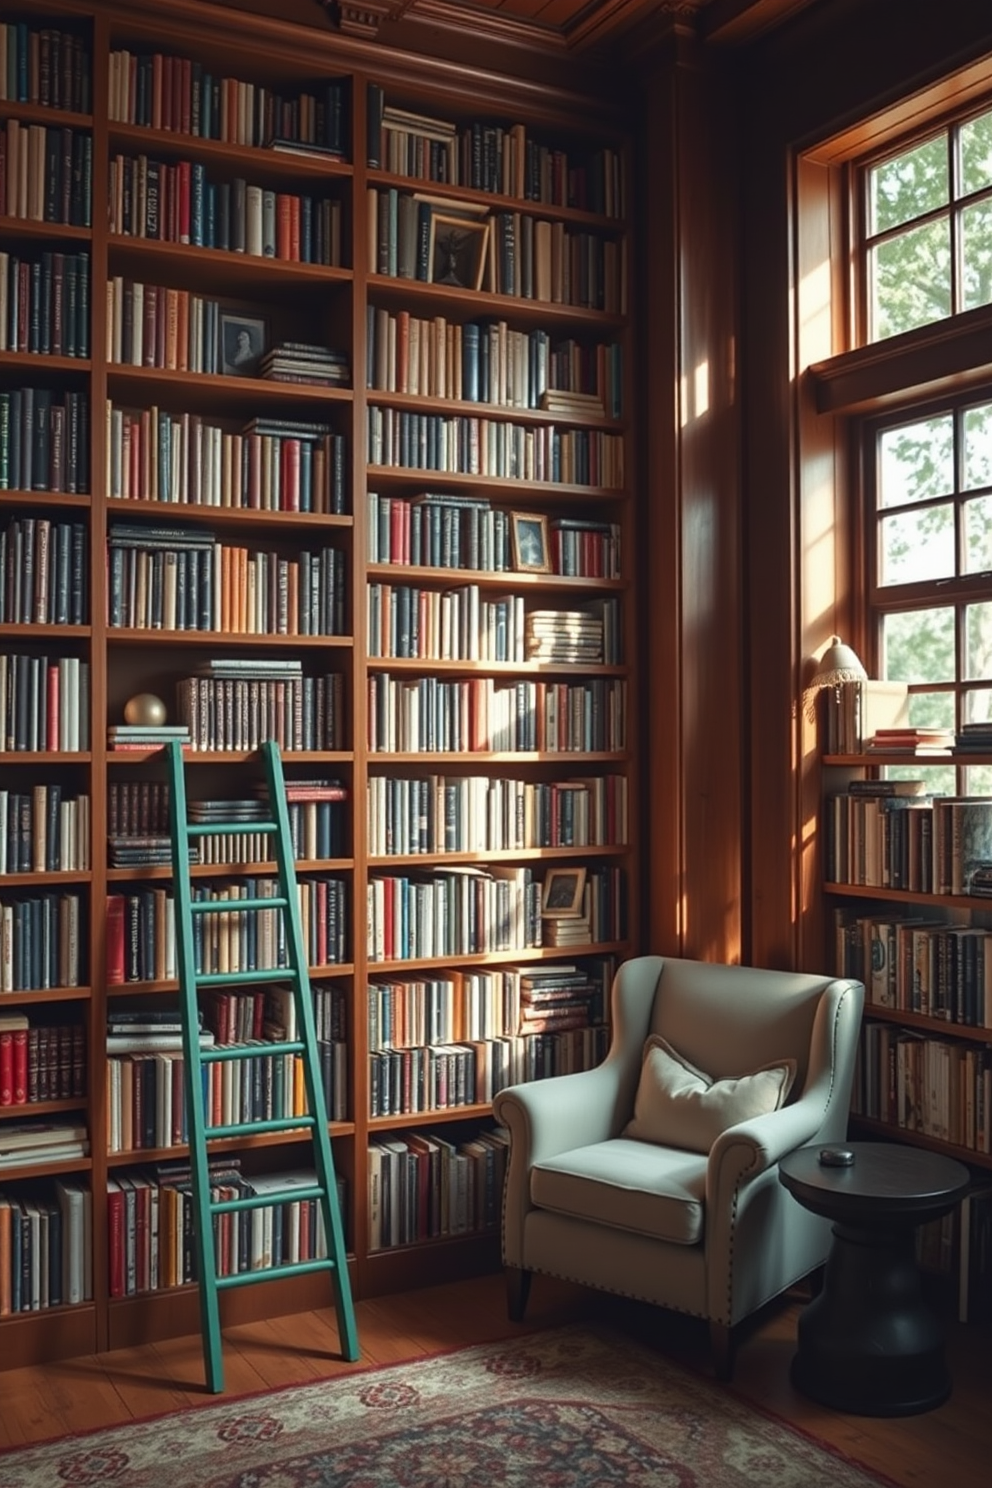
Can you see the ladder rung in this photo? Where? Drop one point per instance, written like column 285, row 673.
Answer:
column 270, row 1273
column 225, row 906
column 249, row 1051
column 264, row 1201
column 231, row 829
column 250, row 1128
column 234, row 978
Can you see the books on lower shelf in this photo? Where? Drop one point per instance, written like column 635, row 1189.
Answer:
column 28, row 1142
column 46, row 1246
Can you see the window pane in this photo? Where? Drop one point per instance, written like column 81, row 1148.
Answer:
column 916, row 545
column 908, row 185
column 975, row 154
column 978, row 535
column 977, row 781
column 978, row 447
column 976, row 255
column 918, row 646
column 978, row 705
column 931, row 709
column 916, row 461
column 911, row 279
column 978, row 641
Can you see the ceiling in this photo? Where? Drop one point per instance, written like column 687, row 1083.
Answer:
column 564, row 25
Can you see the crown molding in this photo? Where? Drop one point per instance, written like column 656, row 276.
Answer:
column 364, row 17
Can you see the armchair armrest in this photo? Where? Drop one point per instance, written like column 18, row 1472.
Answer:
column 550, row 1116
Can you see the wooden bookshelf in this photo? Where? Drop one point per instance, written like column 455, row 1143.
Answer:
column 576, row 463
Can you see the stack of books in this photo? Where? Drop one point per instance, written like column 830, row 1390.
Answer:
column 132, row 1030
column 567, row 931
column 911, row 741
column 975, row 738
column 302, row 361
column 30, row 1142
column 151, row 851
column 582, row 405
column 145, row 736
column 564, row 635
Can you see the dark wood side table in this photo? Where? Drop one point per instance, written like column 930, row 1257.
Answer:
column 869, row 1343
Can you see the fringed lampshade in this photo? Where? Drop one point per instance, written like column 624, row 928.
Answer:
column 838, row 664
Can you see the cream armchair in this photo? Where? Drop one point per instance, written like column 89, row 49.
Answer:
column 712, row 1233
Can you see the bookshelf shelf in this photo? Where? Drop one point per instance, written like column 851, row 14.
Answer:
column 223, row 438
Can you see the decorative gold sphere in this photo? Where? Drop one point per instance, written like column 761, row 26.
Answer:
column 145, row 708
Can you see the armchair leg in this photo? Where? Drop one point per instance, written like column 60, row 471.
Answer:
column 517, row 1292
column 722, row 1347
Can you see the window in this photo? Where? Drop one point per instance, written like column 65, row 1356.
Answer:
column 929, row 482
column 927, row 244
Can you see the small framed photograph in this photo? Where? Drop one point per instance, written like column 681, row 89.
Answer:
column 530, row 542
column 561, row 896
column 242, row 343
column 458, row 251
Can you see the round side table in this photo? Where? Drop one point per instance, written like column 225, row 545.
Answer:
column 869, row 1343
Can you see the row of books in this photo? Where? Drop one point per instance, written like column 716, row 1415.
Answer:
column 489, row 362
column 958, row 1247
column 45, row 303
column 146, row 1100
column 504, row 159
column 157, row 90
column 45, row 704
column 44, row 830
column 272, row 465
column 411, row 1080
column 515, row 253
column 150, row 1224
column 140, row 932
column 480, row 1003
column 237, row 706
column 919, row 965
column 892, row 834
column 41, row 943
column 461, row 624
column 46, row 1245
column 40, row 1061
column 432, row 715
column 178, row 203
column 44, row 572
column 46, row 173
column 448, row 530
column 44, row 65
column 44, row 440
column 423, row 1186
column 481, row 813
column 920, row 1084
column 469, row 910
column 175, row 578
column 470, row 445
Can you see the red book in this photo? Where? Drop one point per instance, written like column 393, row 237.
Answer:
column 168, row 68
column 294, row 228
column 283, row 235
column 184, row 193
column 20, row 1066
column 115, row 939
column 6, row 1067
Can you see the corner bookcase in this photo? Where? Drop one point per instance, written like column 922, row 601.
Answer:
column 902, row 920
column 407, row 555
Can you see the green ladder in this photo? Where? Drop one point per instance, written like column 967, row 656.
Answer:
column 195, row 1058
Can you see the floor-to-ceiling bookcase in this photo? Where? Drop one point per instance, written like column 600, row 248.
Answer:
column 410, row 558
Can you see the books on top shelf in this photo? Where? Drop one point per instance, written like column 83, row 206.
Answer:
column 559, row 400
column 976, row 737
column 145, row 736
column 855, row 710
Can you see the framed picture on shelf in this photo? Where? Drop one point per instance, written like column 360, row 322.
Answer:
column 561, row 895
column 531, row 548
column 458, row 250
column 242, row 343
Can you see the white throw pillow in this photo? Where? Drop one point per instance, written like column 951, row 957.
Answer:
column 678, row 1106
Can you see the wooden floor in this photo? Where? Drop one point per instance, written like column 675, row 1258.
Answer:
column 952, row 1445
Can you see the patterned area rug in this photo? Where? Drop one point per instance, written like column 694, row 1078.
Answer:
column 579, row 1407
